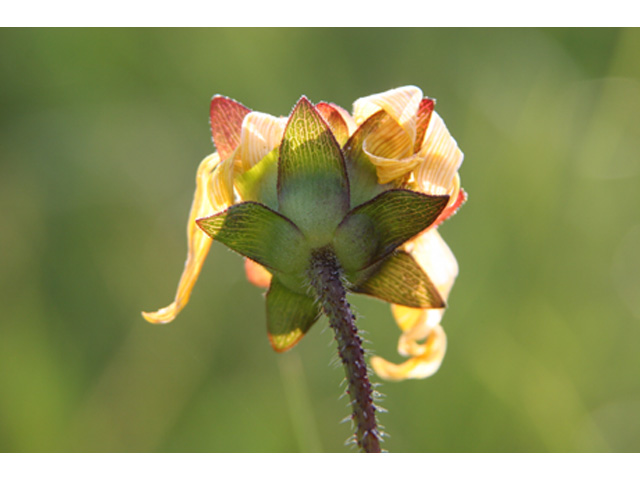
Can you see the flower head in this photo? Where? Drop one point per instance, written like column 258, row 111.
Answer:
column 371, row 188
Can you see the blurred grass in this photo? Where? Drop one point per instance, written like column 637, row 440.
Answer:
column 100, row 135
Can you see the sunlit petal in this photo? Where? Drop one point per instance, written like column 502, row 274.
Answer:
column 400, row 103
column 261, row 133
column 436, row 259
column 389, row 169
column 442, row 159
column 220, row 185
column 346, row 116
column 198, row 244
column 335, row 120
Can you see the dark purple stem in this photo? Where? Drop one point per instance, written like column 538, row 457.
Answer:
column 325, row 276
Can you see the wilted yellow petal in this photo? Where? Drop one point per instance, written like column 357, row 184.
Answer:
column 261, row 133
column 400, row 103
column 417, row 367
column 435, row 257
column 442, row 159
column 198, row 244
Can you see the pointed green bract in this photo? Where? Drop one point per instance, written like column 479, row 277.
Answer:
column 289, row 316
column 376, row 228
column 363, row 179
column 313, row 189
column 255, row 231
column 400, row 280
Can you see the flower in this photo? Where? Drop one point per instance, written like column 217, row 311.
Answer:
column 413, row 146
column 389, row 177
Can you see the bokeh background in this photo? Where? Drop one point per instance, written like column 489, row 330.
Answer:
column 101, row 132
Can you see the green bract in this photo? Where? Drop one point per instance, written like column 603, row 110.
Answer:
column 311, row 194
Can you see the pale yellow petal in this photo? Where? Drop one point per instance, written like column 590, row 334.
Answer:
column 220, row 185
column 400, row 103
column 417, row 367
column 391, row 151
column 198, row 244
column 454, row 190
column 436, row 258
column 389, row 169
column 442, row 159
column 261, row 133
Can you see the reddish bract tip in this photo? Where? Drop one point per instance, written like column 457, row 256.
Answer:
column 226, row 124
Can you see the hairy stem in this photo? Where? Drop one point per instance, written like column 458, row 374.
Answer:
column 325, row 278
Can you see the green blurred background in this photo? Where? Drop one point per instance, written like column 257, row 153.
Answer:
column 101, row 133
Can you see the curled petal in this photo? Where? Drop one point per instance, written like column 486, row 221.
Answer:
column 408, row 344
column 389, row 169
column 390, row 149
column 261, row 133
column 198, row 244
column 257, row 274
column 420, row 366
column 442, row 159
column 400, row 103
column 436, row 259
column 391, row 146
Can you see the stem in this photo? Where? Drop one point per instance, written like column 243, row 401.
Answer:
column 325, row 278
